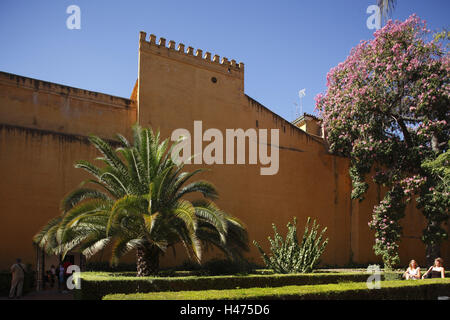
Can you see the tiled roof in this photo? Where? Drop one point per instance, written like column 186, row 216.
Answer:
column 302, row 117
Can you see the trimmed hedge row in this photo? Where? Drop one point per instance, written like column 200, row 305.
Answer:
column 390, row 290
column 96, row 285
column 5, row 282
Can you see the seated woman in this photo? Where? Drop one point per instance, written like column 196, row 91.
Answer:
column 437, row 270
column 413, row 271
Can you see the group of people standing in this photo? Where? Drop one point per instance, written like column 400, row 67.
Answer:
column 60, row 273
column 18, row 271
column 435, row 271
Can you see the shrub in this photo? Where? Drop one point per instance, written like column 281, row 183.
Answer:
column 107, row 267
column 226, row 267
column 96, row 285
column 288, row 256
column 215, row 267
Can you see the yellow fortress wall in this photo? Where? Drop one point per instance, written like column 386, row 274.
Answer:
column 44, row 128
column 43, row 131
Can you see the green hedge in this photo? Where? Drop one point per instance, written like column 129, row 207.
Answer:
column 5, row 283
column 96, row 285
column 390, row 290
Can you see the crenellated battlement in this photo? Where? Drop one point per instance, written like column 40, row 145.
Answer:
column 190, row 55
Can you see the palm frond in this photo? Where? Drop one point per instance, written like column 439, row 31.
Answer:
column 185, row 211
column 207, row 189
column 386, row 8
column 79, row 195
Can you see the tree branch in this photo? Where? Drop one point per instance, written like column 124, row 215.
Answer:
column 405, row 131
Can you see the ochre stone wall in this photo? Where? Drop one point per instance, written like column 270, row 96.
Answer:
column 44, row 128
column 36, row 172
column 43, row 131
column 42, row 105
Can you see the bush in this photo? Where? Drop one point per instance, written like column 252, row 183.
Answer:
column 226, row 267
column 96, row 285
column 189, row 268
column 390, row 290
column 288, row 256
column 106, row 267
column 213, row 267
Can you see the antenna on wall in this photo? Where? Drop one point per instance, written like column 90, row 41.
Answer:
column 301, row 94
column 296, row 110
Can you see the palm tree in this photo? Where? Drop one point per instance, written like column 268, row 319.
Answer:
column 386, row 8
column 138, row 202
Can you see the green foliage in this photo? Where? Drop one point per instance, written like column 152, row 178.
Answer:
column 443, row 37
column 290, row 256
column 217, row 267
column 440, row 167
column 390, row 290
column 95, row 285
column 387, row 232
column 226, row 266
column 104, row 266
column 434, row 197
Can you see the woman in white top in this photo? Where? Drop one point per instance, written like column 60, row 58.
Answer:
column 437, row 270
column 413, row 271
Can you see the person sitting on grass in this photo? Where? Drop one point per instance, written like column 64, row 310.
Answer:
column 437, row 270
column 413, row 271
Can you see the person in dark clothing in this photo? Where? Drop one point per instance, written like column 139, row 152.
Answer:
column 52, row 276
column 437, row 270
column 61, row 285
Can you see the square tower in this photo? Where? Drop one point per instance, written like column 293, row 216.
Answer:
column 177, row 86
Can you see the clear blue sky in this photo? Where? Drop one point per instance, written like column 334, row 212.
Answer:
column 285, row 45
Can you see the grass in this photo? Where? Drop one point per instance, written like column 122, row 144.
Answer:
column 324, row 291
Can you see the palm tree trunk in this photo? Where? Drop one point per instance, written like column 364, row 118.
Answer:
column 147, row 261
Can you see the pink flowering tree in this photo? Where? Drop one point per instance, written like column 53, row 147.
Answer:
column 386, row 107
